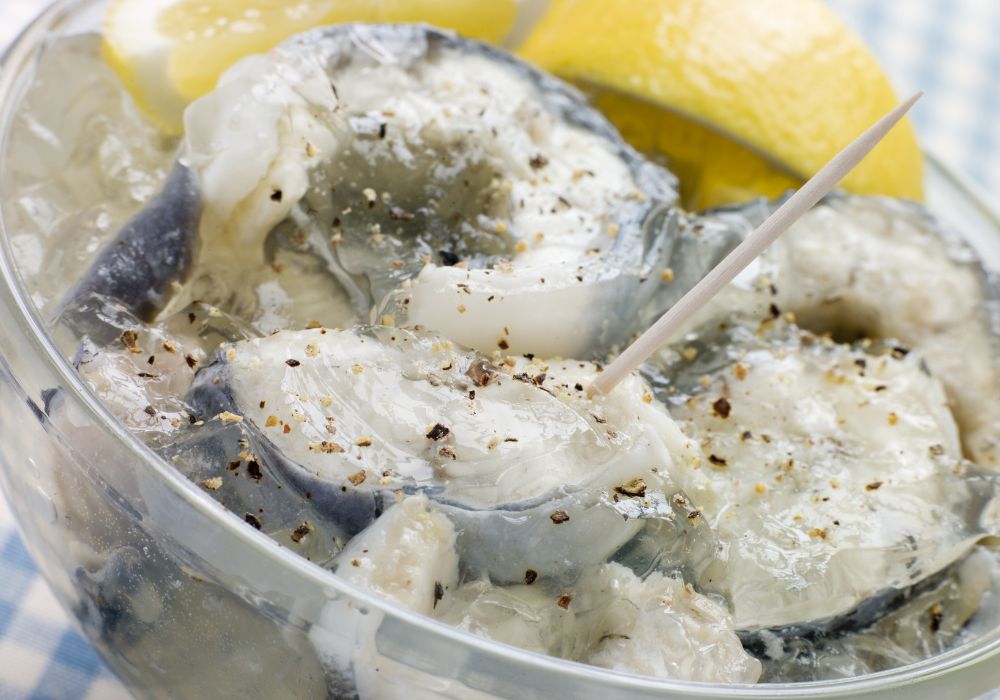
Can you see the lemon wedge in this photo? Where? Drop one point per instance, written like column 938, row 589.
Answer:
column 169, row 52
column 743, row 98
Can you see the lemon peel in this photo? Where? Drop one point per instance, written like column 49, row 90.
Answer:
column 771, row 90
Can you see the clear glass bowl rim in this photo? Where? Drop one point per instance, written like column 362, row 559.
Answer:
column 954, row 665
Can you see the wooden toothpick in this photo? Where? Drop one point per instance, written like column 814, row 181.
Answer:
column 754, row 244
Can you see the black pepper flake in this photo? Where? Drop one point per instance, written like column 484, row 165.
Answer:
column 539, row 379
column 234, row 465
column 936, row 614
column 448, row 258
column 438, row 593
column 874, row 486
column 747, row 435
column 722, row 407
column 899, row 352
column 292, row 363
column 530, row 576
column 502, row 344
column 437, row 432
column 192, row 317
column 252, row 519
column 936, row 450
column 564, row 600
column 717, row 461
column 481, row 372
column 191, row 362
column 129, row 339
column 881, row 387
column 151, row 360
column 774, row 310
column 537, row 162
column 559, row 517
column 146, row 375
column 578, row 386
column 253, row 470
column 149, row 411
column 612, row 635
column 276, row 196
column 381, row 130
column 300, row 532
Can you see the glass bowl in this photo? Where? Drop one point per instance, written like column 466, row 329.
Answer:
column 184, row 600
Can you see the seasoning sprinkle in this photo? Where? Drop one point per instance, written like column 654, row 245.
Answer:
column 634, row 487
column 437, row 432
column 212, row 484
column 254, row 471
column 300, row 532
column 324, row 446
column 481, row 373
column 722, row 408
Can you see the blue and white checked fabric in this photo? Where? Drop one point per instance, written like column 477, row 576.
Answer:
column 42, row 656
column 947, row 47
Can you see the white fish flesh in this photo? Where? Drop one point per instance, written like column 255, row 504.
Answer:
column 876, row 267
column 514, row 212
column 658, row 626
column 830, row 474
column 534, row 474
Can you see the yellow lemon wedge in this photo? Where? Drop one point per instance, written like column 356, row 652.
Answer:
column 743, row 98
column 169, row 52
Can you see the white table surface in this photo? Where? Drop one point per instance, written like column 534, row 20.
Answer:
column 950, row 48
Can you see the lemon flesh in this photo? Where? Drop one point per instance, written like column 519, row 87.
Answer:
column 785, row 82
column 169, row 52
column 713, row 169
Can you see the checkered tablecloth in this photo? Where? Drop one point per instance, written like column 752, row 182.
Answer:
column 42, row 656
column 950, row 48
